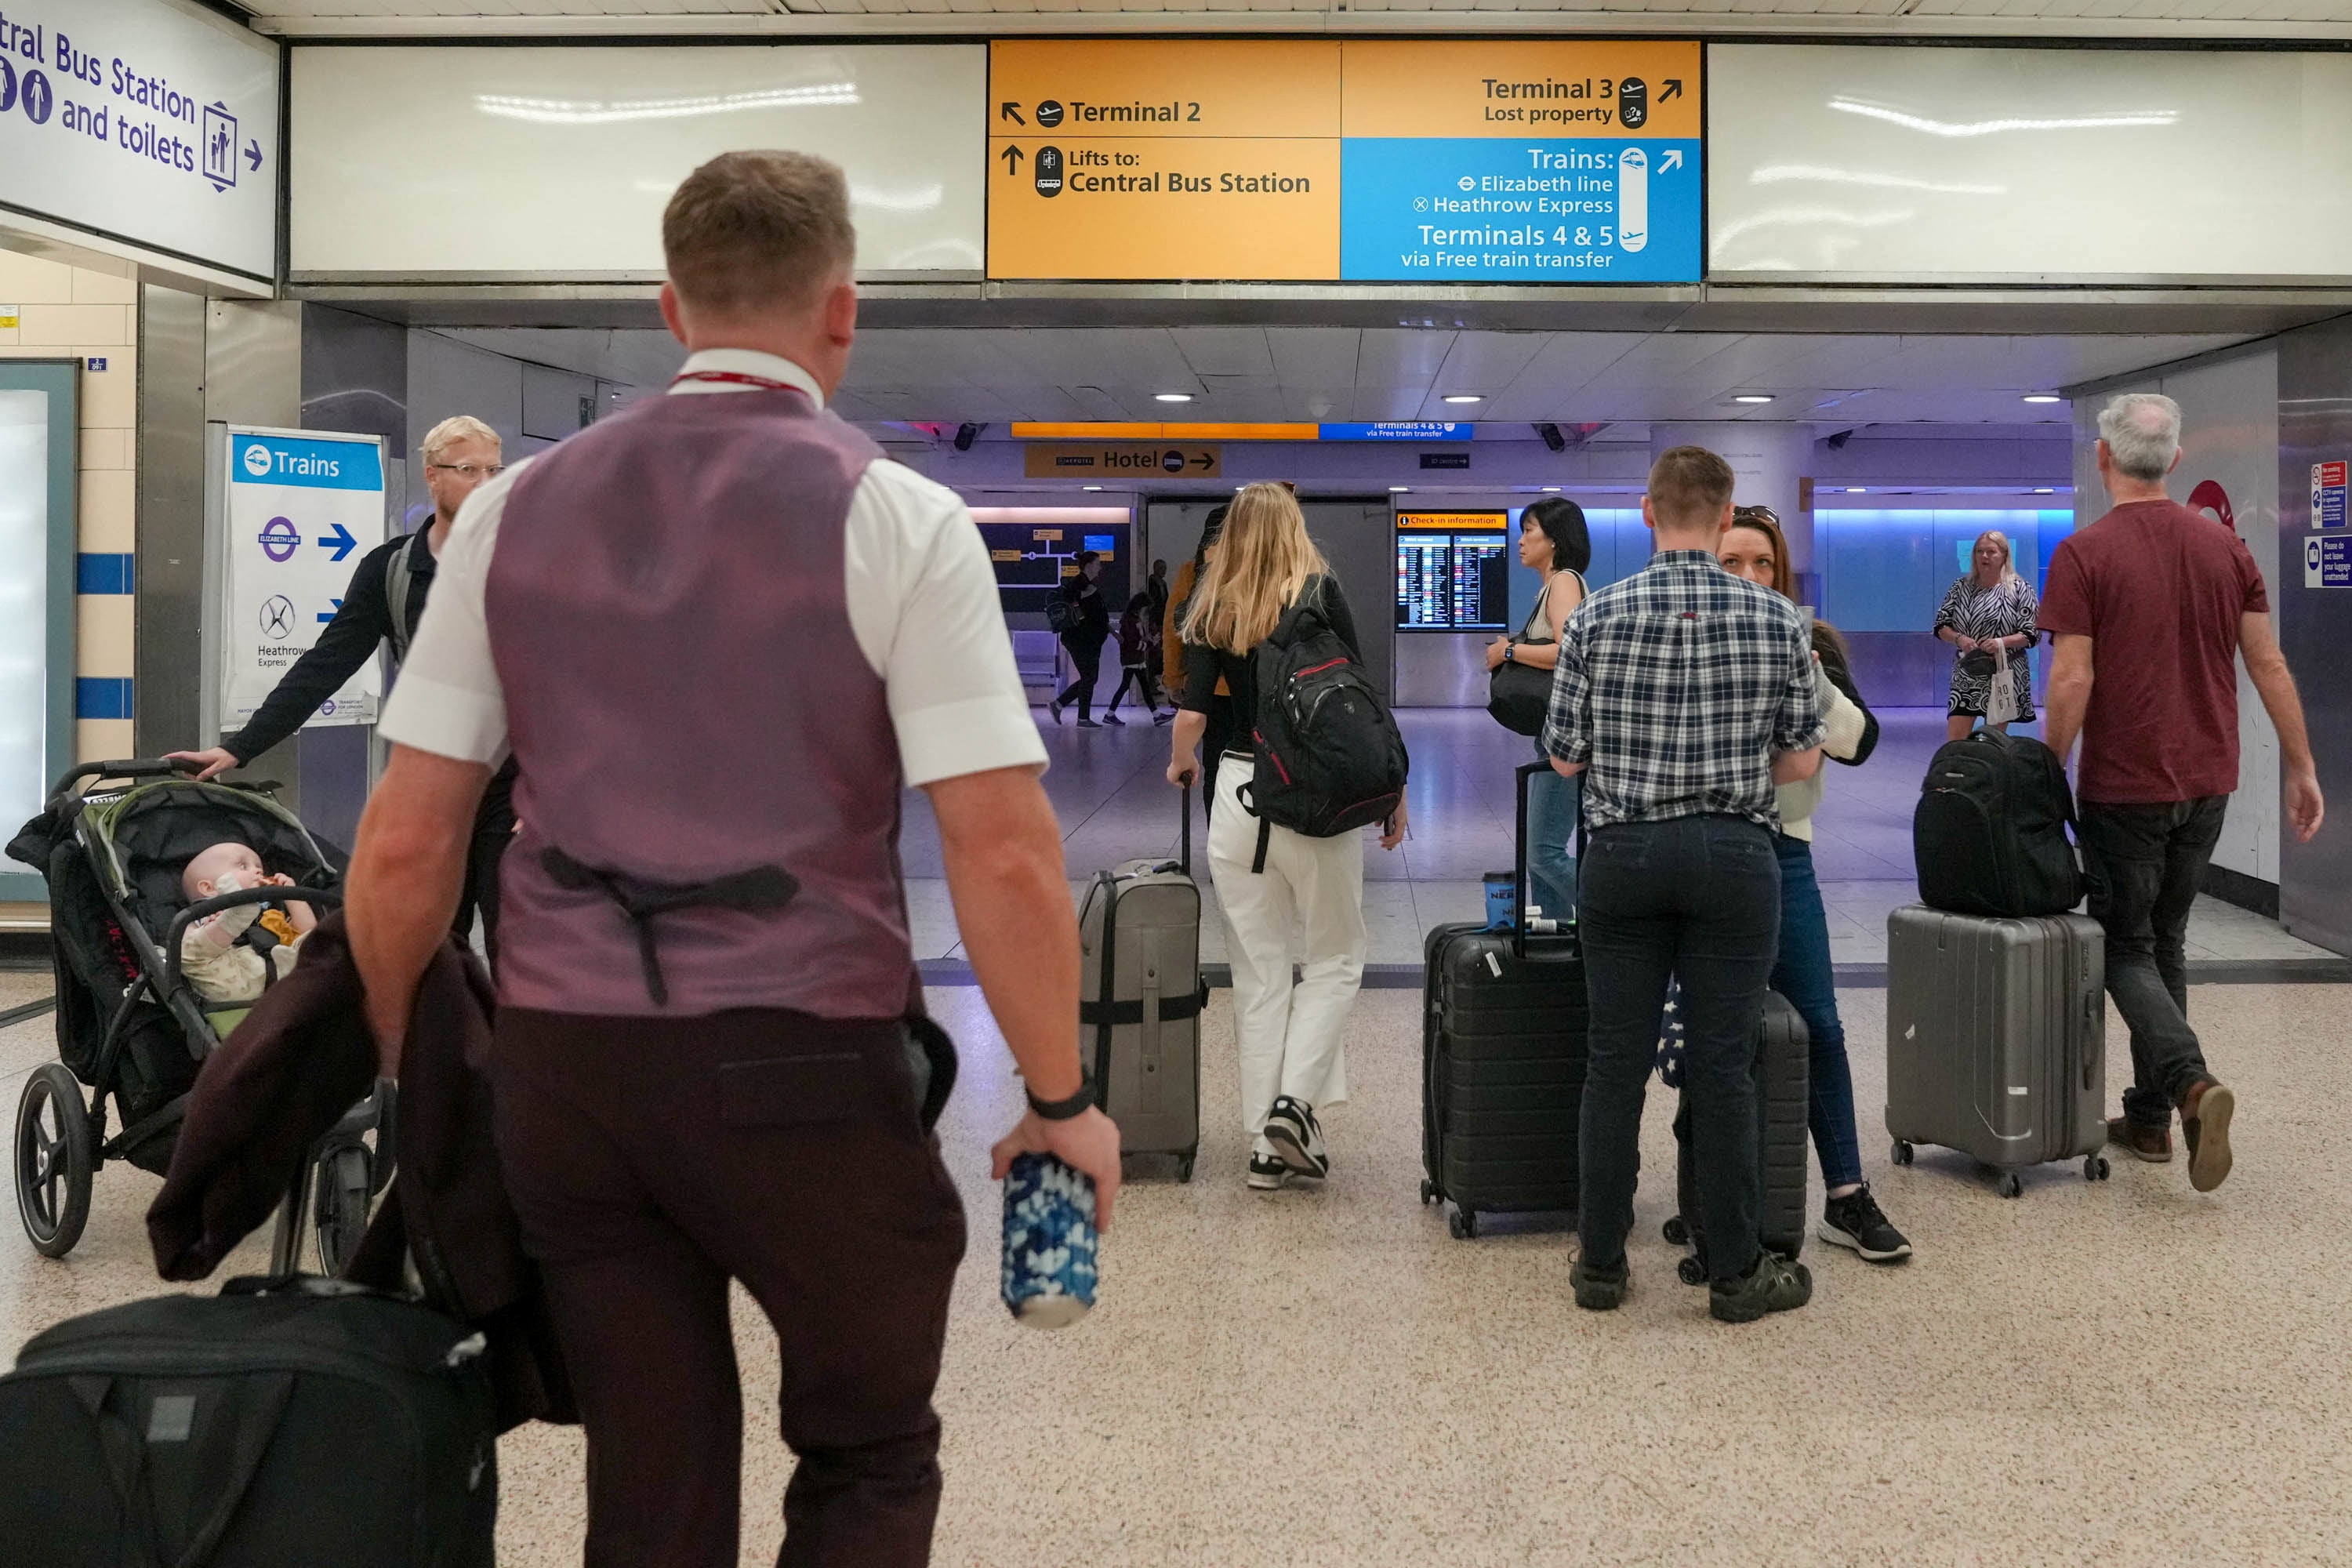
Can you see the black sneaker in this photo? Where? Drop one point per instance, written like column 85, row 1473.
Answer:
column 1856, row 1221
column 1086, row 724
column 1773, row 1284
column 1115, row 718
column 1297, row 1137
column 1055, row 709
column 1599, row 1289
column 1266, row 1172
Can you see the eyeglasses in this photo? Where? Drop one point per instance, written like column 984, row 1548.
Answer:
column 471, row 470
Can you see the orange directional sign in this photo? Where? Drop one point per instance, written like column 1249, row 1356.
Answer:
column 1092, row 459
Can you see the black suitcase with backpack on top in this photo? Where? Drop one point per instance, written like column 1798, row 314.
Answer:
column 1504, row 1023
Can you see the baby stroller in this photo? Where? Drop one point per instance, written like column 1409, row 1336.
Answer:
column 113, row 841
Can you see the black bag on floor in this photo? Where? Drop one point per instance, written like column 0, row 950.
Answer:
column 278, row 1422
column 1989, row 832
column 1784, row 1051
column 1504, row 1026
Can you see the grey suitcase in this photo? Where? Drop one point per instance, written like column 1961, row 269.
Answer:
column 1996, row 1038
column 1139, row 1000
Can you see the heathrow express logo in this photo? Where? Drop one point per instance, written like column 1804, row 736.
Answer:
column 257, row 460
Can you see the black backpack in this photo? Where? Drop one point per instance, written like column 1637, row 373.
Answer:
column 1330, row 760
column 1061, row 614
column 1989, row 833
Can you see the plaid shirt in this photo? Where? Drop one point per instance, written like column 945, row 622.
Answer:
column 1675, row 687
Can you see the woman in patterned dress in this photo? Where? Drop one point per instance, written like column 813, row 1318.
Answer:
column 1991, row 608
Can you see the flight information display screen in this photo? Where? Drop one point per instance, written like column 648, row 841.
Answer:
column 1452, row 570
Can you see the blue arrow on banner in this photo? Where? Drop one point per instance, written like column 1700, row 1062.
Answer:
column 329, row 615
column 339, row 541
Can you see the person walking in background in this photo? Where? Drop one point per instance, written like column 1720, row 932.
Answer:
column 2149, row 608
column 1156, row 586
column 1218, row 732
column 1297, row 895
column 1555, row 543
column 1987, row 618
column 1754, row 548
column 1087, row 627
column 1139, row 650
column 381, row 609
column 709, row 1063
column 1683, row 696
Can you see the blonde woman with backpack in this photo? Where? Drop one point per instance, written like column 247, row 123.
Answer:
column 1283, row 891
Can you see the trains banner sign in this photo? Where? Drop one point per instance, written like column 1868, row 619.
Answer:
column 302, row 508
column 1502, row 160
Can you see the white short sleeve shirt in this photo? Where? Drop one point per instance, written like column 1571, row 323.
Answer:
column 921, row 599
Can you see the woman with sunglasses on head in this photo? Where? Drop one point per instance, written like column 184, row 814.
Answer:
column 1555, row 542
column 1753, row 547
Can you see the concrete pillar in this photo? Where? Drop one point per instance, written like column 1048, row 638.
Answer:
column 1772, row 462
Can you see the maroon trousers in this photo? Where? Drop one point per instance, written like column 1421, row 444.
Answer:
column 653, row 1160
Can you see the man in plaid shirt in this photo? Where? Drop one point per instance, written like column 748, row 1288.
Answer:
column 1685, row 696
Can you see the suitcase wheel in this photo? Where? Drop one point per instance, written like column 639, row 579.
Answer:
column 1690, row 1270
column 1463, row 1224
column 1677, row 1230
column 1184, row 1167
column 2011, row 1185
column 1902, row 1153
column 1428, row 1191
column 2094, row 1168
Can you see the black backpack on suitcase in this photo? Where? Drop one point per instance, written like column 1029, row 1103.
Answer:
column 1989, row 832
column 1330, row 757
column 281, row 1422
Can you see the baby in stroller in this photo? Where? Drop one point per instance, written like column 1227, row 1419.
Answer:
column 216, row 963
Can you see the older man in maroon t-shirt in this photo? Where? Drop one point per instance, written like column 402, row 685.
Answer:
column 2150, row 606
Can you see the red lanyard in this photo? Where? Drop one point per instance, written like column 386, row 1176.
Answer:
column 738, row 378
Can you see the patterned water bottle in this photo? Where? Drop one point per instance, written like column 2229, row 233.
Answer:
column 1049, row 1242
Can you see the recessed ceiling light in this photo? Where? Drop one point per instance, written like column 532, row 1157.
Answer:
column 2044, row 397
column 1172, row 397
column 1399, row 489
column 1752, row 397
column 1093, row 487
column 2045, row 490
column 1463, row 397
column 1856, row 490
column 1551, row 489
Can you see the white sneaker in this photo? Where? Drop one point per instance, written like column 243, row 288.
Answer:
column 1267, row 1171
column 1297, row 1137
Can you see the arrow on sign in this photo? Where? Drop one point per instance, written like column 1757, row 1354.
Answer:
column 1204, row 461
column 1011, row 160
column 1674, row 88
column 253, row 154
column 1672, row 160
column 334, row 604
column 340, row 541
column 1008, row 110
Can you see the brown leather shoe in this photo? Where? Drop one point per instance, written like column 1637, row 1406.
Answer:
column 2205, row 1114
column 2153, row 1144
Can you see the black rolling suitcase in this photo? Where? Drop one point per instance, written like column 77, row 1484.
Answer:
column 1503, row 1058
column 278, row 1422
column 1784, row 1049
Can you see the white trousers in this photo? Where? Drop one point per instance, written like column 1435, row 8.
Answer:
column 1308, row 901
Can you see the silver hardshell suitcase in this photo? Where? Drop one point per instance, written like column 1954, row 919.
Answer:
column 1139, row 1000
column 1996, row 1038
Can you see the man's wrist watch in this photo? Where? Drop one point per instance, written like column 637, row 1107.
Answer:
column 1076, row 1105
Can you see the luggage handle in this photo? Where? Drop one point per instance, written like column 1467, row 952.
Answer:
column 126, row 1462
column 1526, row 772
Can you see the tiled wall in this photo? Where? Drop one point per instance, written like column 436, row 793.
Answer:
column 64, row 311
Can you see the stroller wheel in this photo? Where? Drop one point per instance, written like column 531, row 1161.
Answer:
column 345, row 1183
column 54, row 1159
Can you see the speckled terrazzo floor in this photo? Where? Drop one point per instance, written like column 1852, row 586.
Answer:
column 2119, row 1374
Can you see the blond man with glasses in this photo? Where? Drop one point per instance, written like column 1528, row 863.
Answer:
column 382, row 607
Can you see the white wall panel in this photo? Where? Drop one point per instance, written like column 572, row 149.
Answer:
column 556, row 163
column 2230, row 439
column 1857, row 163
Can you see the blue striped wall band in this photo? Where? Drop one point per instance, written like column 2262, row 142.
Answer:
column 102, row 697
column 100, row 572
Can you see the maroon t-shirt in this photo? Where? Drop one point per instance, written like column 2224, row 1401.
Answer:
column 2158, row 589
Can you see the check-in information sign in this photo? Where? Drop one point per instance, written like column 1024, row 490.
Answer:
column 302, row 508
column 1490, row 161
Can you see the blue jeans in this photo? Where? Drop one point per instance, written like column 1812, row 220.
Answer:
column 1553, row 805
column 1698, row 896
column 1803, row 974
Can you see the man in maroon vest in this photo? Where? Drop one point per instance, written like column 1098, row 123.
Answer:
column 720, row 633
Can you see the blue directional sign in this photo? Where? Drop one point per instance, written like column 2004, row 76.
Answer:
column 306, row 463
